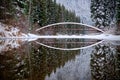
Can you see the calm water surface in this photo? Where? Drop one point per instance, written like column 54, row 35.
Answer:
column 31, row 61
column 34, row 62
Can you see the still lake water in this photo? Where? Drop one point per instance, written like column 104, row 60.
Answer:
column 31, row 61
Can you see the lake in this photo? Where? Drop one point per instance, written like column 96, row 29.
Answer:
column 28, row 60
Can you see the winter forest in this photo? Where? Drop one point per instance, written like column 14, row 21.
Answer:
column 24, row 59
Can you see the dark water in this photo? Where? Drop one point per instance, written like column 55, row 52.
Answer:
column 35, row 62
column 31, row 61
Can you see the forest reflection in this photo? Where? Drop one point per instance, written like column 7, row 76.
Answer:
column 30, row 61
column 104, row 62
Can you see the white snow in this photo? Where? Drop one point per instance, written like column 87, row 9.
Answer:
column 7, row 33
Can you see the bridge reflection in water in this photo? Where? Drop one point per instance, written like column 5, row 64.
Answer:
column 67, row 44
column 66, row 28
column 32, row 59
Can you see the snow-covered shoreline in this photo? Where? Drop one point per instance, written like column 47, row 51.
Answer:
column 10, row 31
column 6, row 34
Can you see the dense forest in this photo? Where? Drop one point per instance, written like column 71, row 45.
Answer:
column 103, row 12
column 39, row 61
column 41, row 11
column 118, row 11
column 34, row 62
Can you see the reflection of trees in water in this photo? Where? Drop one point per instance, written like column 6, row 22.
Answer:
column 103, row 58
column 118, row 62
column 44, row 61
column 103, row 63
column 10, row 44
column 14, row 65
